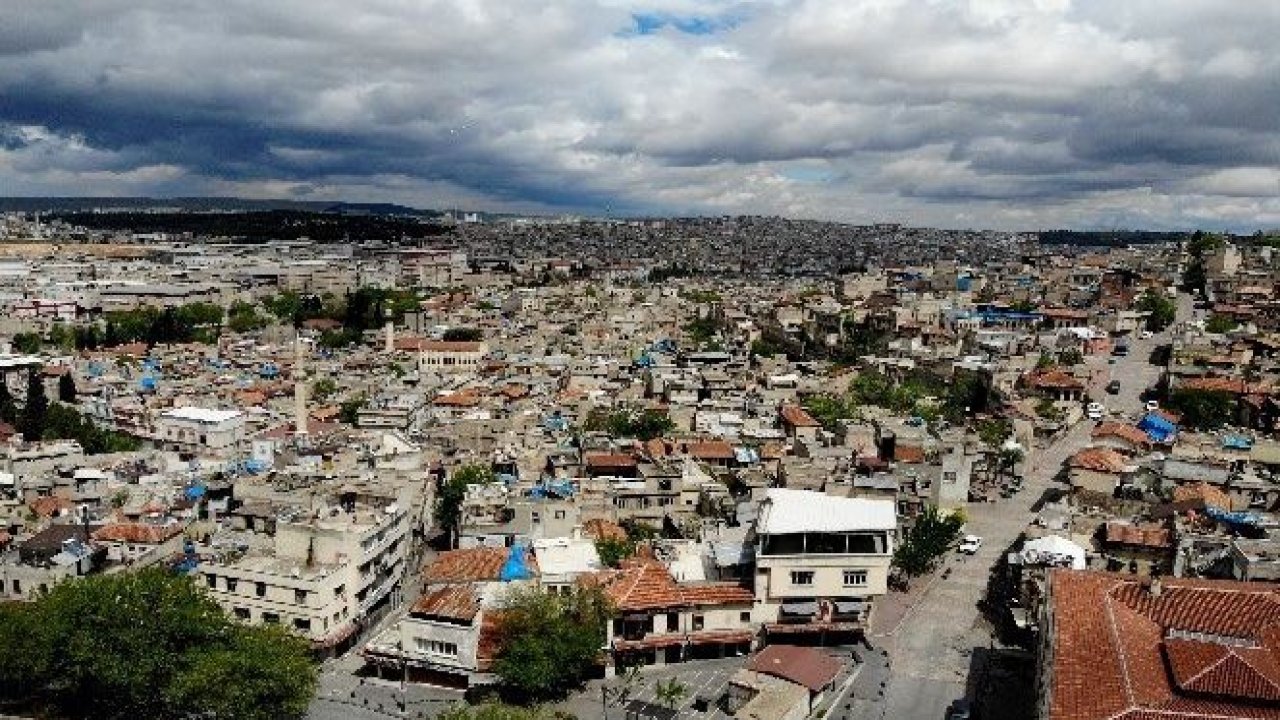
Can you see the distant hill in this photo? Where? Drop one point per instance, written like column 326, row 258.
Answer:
column 61, row 205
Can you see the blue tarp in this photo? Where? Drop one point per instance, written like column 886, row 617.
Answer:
column 195, row 492
column 1236, row 442
column 147, row 383
column 1232, row 518
column 1157, row 428
column 746, row 456
column 269, row 370
column 516, row 567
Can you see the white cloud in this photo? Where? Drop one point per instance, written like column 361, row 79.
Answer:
column 980, row 112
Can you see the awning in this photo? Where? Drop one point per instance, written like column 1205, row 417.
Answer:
column 716, row 637
column 850, row 606
column 800, row 608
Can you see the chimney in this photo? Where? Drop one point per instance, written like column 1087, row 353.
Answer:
column 1155, row 588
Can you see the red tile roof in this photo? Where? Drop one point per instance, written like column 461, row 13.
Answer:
column 710, row 450
column 1203, row 491
column 805, row 666
column 1129, row 433
column 1201, row 648
column 796, row 416
column 601, row 529
column 136, row 533
column 646, row 584
column 1123, row 533
column 451, row 602
column 469, row 565
column 610, row 460
column 1054, row 378
column 1099, row 459
column 913, row 454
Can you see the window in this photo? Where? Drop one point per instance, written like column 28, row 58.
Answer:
column 801, row 577
column 231, row 584
column 855, row 578
column 698, row 622
column 17, row 587
column 212, row 580
column 673, row 622
column 340, row 591
column 261, row 589
column 744, row 616
column 435, row 647
column 559, row 514
column 271, row 618
column 537, row 517
column 949, row 478
column 241, row 613
column 302, row 624
column 300, row 597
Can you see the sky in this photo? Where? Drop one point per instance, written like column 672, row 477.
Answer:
column 1006, row 114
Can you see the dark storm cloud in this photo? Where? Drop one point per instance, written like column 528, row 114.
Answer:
column 999, row 113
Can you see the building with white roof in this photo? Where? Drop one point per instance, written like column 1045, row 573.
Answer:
column 196, row 429
column 820, row 561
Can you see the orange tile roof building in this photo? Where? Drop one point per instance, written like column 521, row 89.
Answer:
column 1124, row 648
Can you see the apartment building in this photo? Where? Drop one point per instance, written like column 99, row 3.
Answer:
column 195, row 429
column 820, row 562
column 321, row 575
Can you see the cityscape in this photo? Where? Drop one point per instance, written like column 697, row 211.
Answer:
column 680, row 361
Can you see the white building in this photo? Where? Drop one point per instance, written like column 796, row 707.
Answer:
column 196, row 429
column 820, row 561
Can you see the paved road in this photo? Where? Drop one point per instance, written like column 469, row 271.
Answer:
column 931, row 649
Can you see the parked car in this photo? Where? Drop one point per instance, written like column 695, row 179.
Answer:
column 1095, row 411
column 1145, row 335
column 1113, row 387
column 970, row 544
column 1152, row 405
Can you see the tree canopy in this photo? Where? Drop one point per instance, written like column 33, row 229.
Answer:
column 549, row 643
column 1203, row 409
column 931, row 537
column 451, row 491
column 148, row 644
column 1161, row 308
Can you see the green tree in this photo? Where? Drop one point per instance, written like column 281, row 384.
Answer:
column 993, row 433
column 1160, row 308
column 349, row 410
column 463, row 334
column 148, row 644
column 27, row 343
column 1203, row 409
column 613, row 551
column 8, row 408
column 1070, row 357
column 1219, row 323
column 67, row 388
column 829, row 410
column 323, row 388
column 261, row 673
column 548, row 643
column 670, row 692
column 243, row 317
column 450, row 493
column 932, row 535
column 34, row 408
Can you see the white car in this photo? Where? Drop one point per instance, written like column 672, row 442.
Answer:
column 1095, row 411
column 1152, row 406
column 970, row 544
column 1145, row 335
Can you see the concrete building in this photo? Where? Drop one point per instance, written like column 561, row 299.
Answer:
column 196, row 429
column 322, row 574
column 820, row 561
